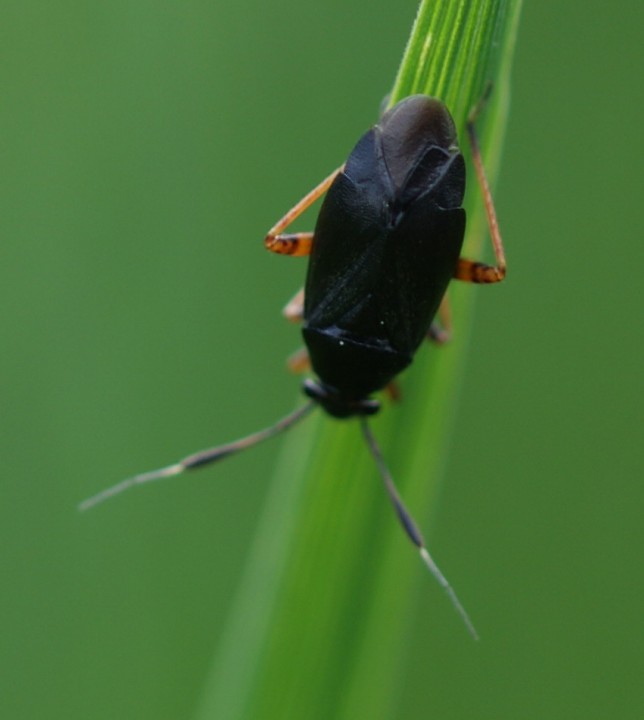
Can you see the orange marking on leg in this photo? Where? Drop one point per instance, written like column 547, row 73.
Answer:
column 441, row 333
column 279, row 243
column 393, row 391
column 294, row 308
column 478, row 272
column 295, row 244
column 299, row 361
column 468, row 270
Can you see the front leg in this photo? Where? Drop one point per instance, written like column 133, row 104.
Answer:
column 470, row 270
column 297, row 244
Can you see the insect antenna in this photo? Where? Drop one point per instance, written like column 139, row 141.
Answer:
column 199, row 459
column 411, row 528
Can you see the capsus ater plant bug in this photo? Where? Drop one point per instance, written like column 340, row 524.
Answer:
column 386, row 244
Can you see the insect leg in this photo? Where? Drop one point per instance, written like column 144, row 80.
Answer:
column 299, row 361
column 441, row 333
column 393, row 391
column 469, row 270
column 296, row 244
column 294, row 308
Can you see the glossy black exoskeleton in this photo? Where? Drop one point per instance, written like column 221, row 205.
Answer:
column 386, row 244
column 385, row 247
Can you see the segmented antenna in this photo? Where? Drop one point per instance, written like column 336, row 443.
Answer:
column 205, row 457
column 411, row 528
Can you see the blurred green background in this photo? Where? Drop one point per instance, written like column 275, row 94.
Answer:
column 145, row 149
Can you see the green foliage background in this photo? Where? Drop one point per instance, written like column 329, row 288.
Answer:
column 146, row 147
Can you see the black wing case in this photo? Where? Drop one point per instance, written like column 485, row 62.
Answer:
column 419, row 261
column 349, row 240
column 383, row 257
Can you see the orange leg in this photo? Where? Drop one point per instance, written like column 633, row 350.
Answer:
column 294, row 308
column 470, row 270
column 296, row 244
column 441, row 332
column 299, row 361
column 393, row 391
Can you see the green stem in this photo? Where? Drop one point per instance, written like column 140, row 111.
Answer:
column 320, row 620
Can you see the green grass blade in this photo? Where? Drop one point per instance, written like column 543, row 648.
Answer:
column 320, row 621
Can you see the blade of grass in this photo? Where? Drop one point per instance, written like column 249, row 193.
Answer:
column 320, row 620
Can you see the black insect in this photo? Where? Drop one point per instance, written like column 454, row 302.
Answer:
column 386, row 244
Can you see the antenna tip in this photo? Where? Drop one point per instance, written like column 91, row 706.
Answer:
column 449, row 590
